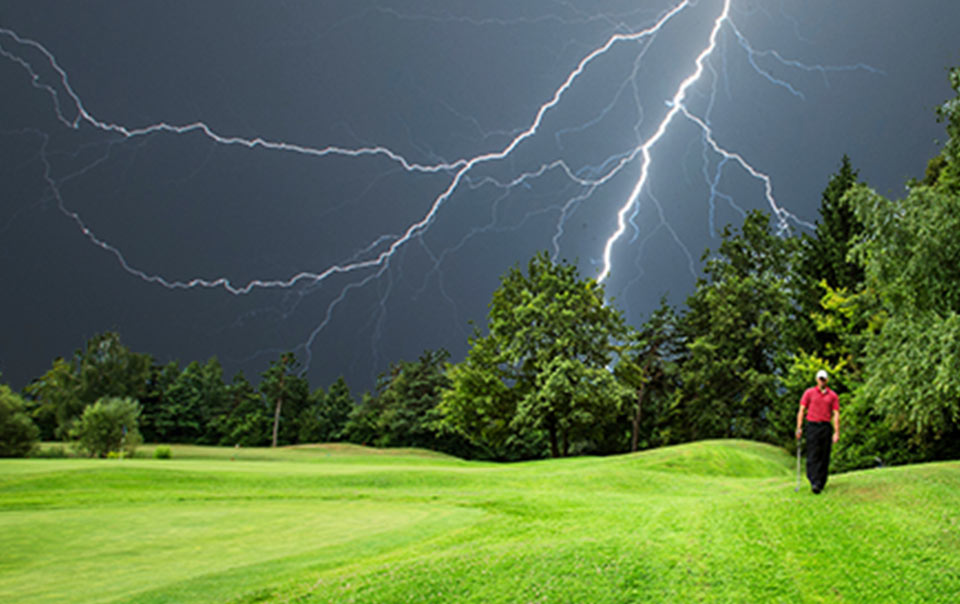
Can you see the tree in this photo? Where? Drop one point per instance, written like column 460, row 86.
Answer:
column 56, row 395
column 362, row 426
column 189, row 404
column 943, row 171
column 648, row 363
column 408, row 395
column 480, row 404
column 336, row 408
column 109, row 425
column 537, row 319
column 898, row 333
column 287, row 393
column 824, row 256
column 103, row 368
column 572, row 403
column 18, row 434
column 326, row 414
column 245, row 420
column 107, row 368
column 737, row 333
column 310, row 427
column 911, row 255
column 162, row 378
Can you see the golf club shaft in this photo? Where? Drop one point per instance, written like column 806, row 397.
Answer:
column 798, row 468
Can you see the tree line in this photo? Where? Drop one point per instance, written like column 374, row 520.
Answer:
column 870, row 295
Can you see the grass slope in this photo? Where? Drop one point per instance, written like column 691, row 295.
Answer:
column 709, row 521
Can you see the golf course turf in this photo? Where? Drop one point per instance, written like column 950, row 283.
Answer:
column 708, row 521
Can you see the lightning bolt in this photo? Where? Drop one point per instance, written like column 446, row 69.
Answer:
column 372, row 260
column 460, row 168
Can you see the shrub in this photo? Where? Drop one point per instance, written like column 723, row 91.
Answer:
column 162, row 452
column 108, row 425
column 18, row 434
column 50, row 452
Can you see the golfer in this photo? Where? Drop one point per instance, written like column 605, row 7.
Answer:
column 822, row 409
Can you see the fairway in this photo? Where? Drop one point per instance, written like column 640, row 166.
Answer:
column 709, row 521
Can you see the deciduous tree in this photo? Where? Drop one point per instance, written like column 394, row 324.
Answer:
column 550, row 334
column 648, row 364
column 736, row 332
column 108, row 425
column 286, row 392
column 18, row 434
column 911, row 254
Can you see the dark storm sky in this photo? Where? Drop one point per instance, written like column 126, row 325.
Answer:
column 106, row 227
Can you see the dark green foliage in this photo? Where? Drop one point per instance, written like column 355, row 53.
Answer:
column 824, row 257
column 825, row 254
column 868, row 440
column 402, row 411
column 737, row 337
column 362, row 424
column 648, row 366
column 108, row 426
column 326, row 414
column 335, row 410
column 309, row 423
column 287, row 394
column 943, row 171
column 573, row 403
column 103, row 368
column 408, row 395
column 162, row 378
column 18, row 434
column 538, row 373
column 55, row 395
column 189, row 404
column 107, row 368
column 162, row 452
column 246, row 420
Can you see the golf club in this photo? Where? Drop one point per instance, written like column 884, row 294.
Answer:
column 797, row 489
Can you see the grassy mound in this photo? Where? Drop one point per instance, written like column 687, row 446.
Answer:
column 706, row 521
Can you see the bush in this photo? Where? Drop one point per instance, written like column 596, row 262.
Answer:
column 18, row 434
column 109, row 425
column 50, row 452
column 162, row 453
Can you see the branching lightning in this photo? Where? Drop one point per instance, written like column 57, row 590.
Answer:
column 373, row 259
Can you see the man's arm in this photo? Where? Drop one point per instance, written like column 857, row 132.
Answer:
column 836, row 425
column 800, row 421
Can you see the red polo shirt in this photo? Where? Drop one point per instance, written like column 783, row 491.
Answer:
column 820, row 405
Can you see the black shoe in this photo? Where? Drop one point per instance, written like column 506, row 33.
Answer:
column 816, row 490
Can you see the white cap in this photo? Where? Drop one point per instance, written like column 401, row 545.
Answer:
column 821, row 375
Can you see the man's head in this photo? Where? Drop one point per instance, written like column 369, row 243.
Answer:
column 822, row 377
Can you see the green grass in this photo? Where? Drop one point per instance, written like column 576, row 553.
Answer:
column 711, row 521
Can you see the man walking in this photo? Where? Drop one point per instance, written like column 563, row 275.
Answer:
column 822, row 409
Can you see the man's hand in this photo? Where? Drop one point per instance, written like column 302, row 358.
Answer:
column 836, row 436
column 800, row 432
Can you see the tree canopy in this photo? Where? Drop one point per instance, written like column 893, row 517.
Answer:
column 540, row 376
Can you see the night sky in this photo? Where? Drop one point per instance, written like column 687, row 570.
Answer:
column 349, row 179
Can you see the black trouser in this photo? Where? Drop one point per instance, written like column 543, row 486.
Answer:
column 819, row 441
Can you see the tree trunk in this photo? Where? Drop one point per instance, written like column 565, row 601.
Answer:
column 554, row 449
column 276, row 412
column 276, row 420
column 636, row 419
